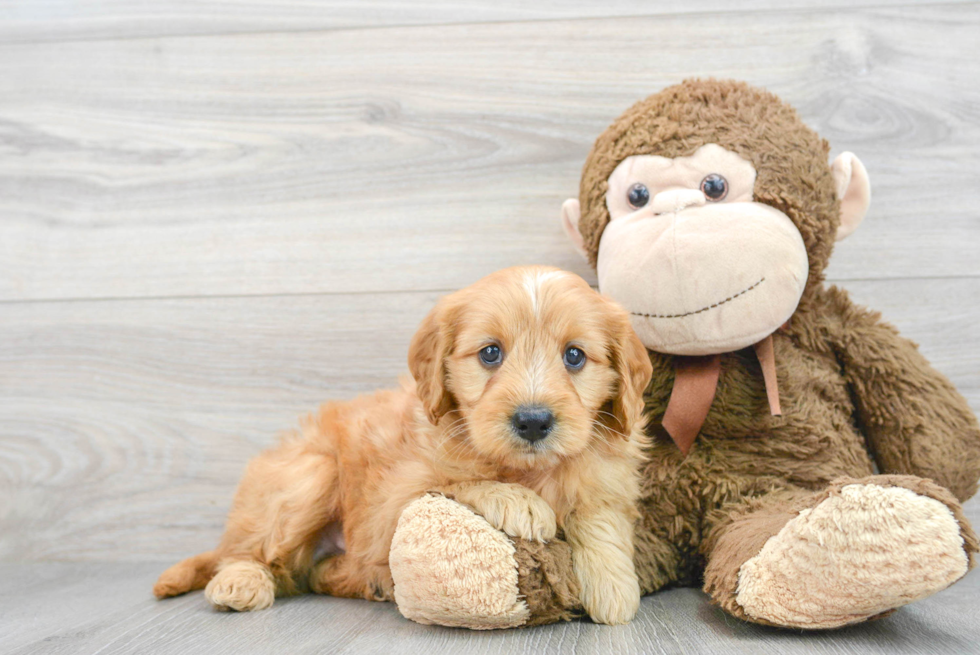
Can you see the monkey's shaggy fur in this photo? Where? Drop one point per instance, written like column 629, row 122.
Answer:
column 855, row 394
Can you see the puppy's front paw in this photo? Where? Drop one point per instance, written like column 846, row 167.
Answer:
column 610, row 600
column 517, row 511
column 242, row 586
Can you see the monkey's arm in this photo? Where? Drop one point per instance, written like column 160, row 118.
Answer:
column 913, row 418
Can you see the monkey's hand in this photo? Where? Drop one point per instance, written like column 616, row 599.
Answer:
column 914, row 419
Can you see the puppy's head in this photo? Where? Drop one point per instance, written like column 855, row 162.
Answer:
column 535, row 362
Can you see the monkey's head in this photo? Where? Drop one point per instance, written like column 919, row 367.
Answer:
column 709, row 210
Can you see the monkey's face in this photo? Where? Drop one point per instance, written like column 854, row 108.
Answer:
column 703, row 246
column 699, row 265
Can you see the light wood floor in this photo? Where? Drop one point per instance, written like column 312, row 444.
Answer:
column 216, row 214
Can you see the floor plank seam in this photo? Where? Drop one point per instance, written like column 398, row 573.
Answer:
column 394, row 292
column 848, row 8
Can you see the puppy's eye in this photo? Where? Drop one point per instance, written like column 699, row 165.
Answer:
column 714, row 187
column 638, row 195
column 574, row 358
column 491, row 355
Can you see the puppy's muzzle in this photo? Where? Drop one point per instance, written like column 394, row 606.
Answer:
column 532, row 423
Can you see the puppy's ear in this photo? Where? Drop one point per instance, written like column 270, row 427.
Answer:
column 431, row 345
column 632, row 363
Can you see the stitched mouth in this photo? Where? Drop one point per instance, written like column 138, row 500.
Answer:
column 703, row 309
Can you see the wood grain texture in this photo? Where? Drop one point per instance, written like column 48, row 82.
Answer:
column 425, row 157
column 125, row 425
column 53, row 20
column 81, row 609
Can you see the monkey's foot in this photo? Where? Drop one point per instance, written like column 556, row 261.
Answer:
column 452, row 568
column 856, row 554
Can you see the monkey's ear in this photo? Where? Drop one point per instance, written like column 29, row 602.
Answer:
column 570, row 214
column 854, row 191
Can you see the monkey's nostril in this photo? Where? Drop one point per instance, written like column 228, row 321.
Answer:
column 532, row 423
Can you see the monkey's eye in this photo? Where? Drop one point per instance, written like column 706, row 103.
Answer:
column 574, row 358
column 638, row 195
column 714, row 187
column 491, row 355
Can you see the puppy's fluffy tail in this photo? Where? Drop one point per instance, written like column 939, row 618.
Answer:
column 193, row 573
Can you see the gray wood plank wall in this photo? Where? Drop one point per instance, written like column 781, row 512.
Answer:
column 215, row 215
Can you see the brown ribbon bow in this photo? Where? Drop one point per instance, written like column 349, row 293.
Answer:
column 695, row 382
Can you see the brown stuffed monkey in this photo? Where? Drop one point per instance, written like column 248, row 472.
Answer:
column 709, row 211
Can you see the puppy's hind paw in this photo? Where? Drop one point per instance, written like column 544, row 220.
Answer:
column 242, row 586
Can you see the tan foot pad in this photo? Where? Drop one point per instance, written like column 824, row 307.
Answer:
column 452, row 568
column 853, row 556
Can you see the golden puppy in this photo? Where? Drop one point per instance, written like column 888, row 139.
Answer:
column 527, row 406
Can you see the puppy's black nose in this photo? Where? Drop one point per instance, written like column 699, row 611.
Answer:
column 533, row 423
